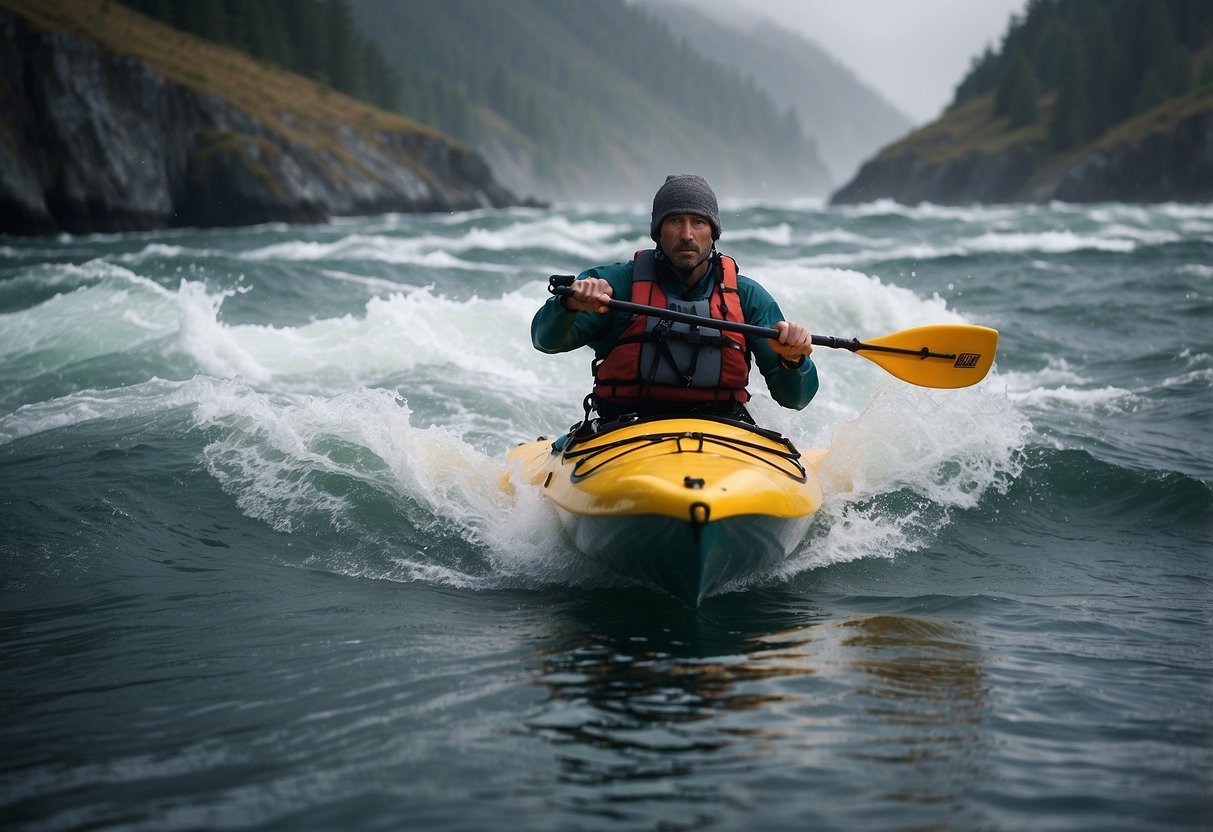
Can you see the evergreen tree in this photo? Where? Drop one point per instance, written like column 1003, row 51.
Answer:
column 1066, row 122
column 1019, row 93
column 1049, row 53
column 790, row 133
column 1102, row 66
column 981, row 78
column 1151, row 93
column 316, row 38
column 205, row 18
column 1134, row 55
column 342, row 49
column 261, row 34
column 1206, row 75
column 386, row 88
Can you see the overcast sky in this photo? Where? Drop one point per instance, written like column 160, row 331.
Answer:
column 913, row 52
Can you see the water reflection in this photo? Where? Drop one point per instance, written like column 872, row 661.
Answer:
column 666, row 665
column 656, row 713
column 924, row 686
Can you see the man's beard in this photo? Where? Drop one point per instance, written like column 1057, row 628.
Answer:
column 677, row 265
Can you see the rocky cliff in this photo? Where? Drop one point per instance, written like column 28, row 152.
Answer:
column 1163, row 156
column 109, row 122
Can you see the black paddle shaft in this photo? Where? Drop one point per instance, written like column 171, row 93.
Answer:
column 562, row 284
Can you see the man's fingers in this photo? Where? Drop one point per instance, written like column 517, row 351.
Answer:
column 795, row 338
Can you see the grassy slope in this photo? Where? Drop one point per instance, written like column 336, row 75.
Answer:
column 289, row 105
column 972, row 127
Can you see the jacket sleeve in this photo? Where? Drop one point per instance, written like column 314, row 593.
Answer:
column 556, row 329
column 792, row 387
column 552, row 328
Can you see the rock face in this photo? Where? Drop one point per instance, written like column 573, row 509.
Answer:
column 1174, row 164
column 95, row 141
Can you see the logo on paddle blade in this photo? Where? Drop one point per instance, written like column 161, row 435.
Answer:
column 967, row 360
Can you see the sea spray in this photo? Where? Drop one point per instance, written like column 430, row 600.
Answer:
column 208, row 342
column 96, row 309
column 346, row 465
column 895, row 474
column 396, row 334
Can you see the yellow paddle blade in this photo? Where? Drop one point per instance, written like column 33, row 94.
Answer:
column 944, row 356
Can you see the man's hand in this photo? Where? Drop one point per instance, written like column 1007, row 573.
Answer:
column 589, row 295
column 794, row 341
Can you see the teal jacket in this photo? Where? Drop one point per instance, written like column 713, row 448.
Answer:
column 556, row 329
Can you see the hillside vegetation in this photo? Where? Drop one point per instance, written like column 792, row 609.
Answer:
column 282, row 100
column 588, row 98
column 1099, row 64
column 314, row 38
column 1083, row 101
column 111, row 121
column 567, row 98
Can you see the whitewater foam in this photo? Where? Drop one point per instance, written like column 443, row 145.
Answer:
column 99, row 308
column 941, row 451
column 584, row 239
column 84, row 406
column 278, row 457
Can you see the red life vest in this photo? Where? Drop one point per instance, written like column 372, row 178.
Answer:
column 663, row 361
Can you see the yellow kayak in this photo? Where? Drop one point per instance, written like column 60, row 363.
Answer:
column 686, row 504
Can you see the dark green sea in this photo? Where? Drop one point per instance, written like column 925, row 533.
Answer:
column 257, row 569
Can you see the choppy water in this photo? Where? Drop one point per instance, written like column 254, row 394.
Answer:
column 258, row 572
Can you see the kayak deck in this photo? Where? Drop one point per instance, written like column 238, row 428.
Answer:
column 686, row 504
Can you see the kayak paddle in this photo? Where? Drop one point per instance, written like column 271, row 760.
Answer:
column 944, row 356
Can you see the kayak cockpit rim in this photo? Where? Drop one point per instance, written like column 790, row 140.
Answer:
column 780, row 454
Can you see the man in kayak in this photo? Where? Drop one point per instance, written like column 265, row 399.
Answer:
column 652, row 367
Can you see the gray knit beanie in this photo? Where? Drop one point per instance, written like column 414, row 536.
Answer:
column 685, row 193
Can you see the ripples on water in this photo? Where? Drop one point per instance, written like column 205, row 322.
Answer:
column 258, row 570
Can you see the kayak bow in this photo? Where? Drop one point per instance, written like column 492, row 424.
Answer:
column 689, row 505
